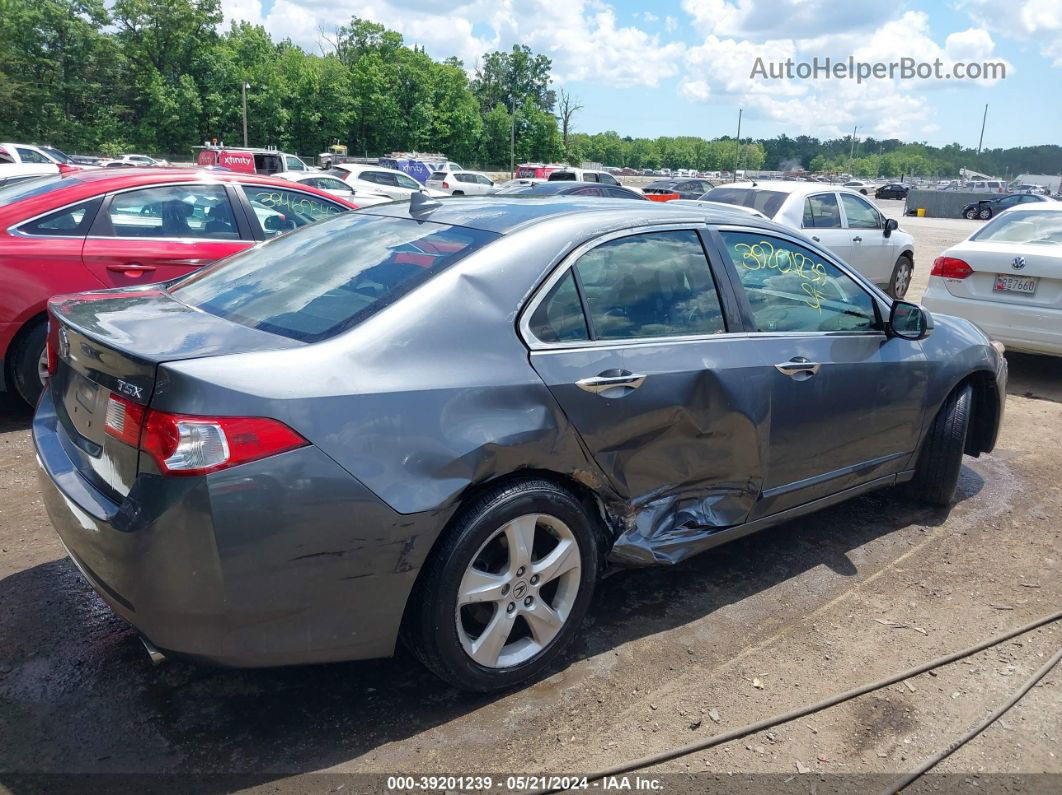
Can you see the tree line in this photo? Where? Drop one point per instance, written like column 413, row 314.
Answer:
column 159, row 76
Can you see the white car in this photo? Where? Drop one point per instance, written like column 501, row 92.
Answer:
column 33, row 154
column 707, row 205
column 461, row 183
column 337, row 187
column 11, row 173
column 1007, row 278
column 839, row 219
column 859, row 185
column 518, row 182
column 377, row 179
column 134, row 160
column 588, row 175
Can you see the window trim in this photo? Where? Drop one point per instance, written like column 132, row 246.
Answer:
column 882, row 303
column 567, row 263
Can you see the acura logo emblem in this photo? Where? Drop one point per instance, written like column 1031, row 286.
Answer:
column 1018, row 263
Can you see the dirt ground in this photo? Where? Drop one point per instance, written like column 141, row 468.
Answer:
column 667, row 655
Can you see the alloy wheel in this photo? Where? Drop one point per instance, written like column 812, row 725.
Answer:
column 903, row 281
column 42, row 367
column 518, row 591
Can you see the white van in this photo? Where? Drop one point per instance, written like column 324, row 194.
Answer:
column 985, row 186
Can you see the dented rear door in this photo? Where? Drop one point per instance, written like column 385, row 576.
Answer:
column 632, row 342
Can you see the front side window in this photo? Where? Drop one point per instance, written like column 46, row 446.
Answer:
column 656, row 284
column 821, row 212
column 791, row 288
column 607, row 179
column 279, row 210
column 407, row 182
column 859, row 213
column 329, row 277
column 294, row 164
column 173, row 211
column 68, row 222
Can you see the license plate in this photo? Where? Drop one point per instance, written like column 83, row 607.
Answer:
column 1026, row 285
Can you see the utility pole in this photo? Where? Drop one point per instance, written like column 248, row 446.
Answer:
column 851, row 153
column 512, row 144
column 737, row 148
column 243, row 90
column 981, row 140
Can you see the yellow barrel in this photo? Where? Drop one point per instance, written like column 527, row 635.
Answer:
column 921, row 212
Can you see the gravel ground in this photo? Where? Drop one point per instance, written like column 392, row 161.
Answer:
column 754, row 628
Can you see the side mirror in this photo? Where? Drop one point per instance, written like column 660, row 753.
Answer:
column 891, row 225
column 909, row 321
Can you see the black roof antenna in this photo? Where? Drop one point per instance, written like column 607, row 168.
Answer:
column 420, row 203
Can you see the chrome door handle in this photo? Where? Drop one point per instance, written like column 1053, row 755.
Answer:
column 815, row 238
column 133, row 267
column 857, row 239
column 798, row 365
column 602, row 383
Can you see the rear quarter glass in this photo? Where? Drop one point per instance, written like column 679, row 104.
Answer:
column 330, row 276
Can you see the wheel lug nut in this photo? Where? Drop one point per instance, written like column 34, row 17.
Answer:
column 520, row 572
column 505, row 589
column 529, row 601
column 511, row 607
column 534, row 579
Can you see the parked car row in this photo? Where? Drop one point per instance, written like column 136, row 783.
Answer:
column 986, row 208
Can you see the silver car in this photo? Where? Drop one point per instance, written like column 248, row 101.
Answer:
column 442, row 420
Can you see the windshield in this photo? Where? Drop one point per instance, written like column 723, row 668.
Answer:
column 328, row 277
column 31, row 187
column 1028, row 226
column 767, row 202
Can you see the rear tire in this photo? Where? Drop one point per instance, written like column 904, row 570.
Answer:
column 937, row 471
column 531, row 622
column 27, row 358
column 900, row 282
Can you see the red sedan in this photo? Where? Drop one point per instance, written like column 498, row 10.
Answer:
column 107, row 228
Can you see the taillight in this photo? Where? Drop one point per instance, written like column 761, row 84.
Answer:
column 183, row 444
column 188, row 445
column 51, row 346
column 446, row 185
column 950, row 268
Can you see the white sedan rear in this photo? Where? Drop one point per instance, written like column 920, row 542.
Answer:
column 460, row 183
column 1007, row 278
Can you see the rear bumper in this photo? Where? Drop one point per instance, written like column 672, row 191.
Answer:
column 1020, row 328
column 282, row 561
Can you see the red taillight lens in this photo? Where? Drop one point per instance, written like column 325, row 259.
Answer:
column 188, row 445
column 51, row 346
column 182, row 444
column 950, row 268
column 446, row 185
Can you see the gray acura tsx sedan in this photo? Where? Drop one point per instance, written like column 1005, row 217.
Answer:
column 441, row 420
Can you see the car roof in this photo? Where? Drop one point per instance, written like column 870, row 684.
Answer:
column 796, row 188
column 504, row 214
column 357, row 168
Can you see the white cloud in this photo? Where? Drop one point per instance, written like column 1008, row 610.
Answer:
column 1039, row 21
column 649, row 16
column 778, row 19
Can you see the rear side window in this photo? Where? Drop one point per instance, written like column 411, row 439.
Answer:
column 652, row 285
column 559, row 318
column 173, row 211
column 820, row 212
column 68, row 222
column 768, row 202
column 328, row 277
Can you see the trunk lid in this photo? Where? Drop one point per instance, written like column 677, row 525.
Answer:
column 111, row 343
column 989, row 259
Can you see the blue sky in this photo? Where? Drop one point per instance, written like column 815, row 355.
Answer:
column 682, row 67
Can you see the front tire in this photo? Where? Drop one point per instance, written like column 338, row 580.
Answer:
column 900, row 282
column 984, row 214
column 29, row 365
column 971, row 214
column 937, row 471
column 507, row 589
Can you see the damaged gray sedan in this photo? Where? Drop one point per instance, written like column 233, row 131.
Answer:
column 441, row 421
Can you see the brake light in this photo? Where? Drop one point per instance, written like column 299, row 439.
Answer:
column 950, row 268
column 446, row 185
column 189, row 445
column 183, row 445
column 51, row 346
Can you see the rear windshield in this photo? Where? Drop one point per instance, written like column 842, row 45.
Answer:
column 438, row 175
column 767, row 202
column 30, row 188
column 325, row 278
column 1024, row 226
column 557, row 176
